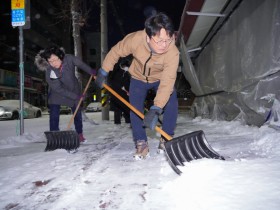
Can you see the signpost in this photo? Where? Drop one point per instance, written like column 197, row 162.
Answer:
column 18, row 13
column 18, row 19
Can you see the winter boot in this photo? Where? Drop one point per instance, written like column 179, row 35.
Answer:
column 82, row 138
column 142, row 150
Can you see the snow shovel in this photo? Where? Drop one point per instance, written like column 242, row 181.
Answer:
column 68, row 139
column 181, row 149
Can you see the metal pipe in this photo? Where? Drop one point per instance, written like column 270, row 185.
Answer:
column 205, row 14
column 21, row 68
column 104, row 46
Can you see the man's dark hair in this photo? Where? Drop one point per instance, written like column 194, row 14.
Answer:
column 59, row 52
column 158, row 21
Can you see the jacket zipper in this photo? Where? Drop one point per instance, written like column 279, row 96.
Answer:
column 149, row 68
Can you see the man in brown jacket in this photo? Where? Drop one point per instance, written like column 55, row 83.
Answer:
column 154, row 66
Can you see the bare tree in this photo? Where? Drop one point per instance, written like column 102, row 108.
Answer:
column 76, row 22
column 77, row 13
column 76, row 17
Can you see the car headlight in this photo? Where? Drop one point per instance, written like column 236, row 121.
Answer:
column 2, row 110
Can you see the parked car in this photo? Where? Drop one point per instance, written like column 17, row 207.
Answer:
column 10, row 109
column 65, row 110
column 94, row 107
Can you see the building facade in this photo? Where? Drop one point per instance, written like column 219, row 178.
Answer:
column 46, row 29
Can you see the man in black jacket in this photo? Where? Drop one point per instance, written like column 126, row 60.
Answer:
column 120, row 80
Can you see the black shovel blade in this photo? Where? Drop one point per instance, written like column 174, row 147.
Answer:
column 68, row 140
column 188, row 147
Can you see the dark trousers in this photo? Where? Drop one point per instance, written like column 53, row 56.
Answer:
column 137, row 94
column 120, row 110
column 54, row 118
column 117, row 116
column 119, row 113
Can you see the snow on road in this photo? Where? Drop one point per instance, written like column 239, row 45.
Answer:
column 103, row 174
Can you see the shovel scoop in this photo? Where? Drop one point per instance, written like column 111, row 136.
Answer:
column 181, row 149
column 188, row 147
column 68, row 139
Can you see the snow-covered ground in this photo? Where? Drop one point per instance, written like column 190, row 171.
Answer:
column 103, row 174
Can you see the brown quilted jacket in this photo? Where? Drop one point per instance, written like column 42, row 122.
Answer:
column 147, row 66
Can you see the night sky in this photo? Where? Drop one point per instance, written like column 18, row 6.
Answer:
column 126, row 16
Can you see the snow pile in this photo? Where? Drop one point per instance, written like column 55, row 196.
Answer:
column 103, row 174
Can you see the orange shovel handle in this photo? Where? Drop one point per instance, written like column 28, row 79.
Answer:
column 136, row 111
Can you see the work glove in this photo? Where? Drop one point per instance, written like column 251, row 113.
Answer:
column 93, row 72
column 101, row 77
column 151, row 118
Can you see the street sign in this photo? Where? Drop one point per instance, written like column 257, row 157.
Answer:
column 18, row 12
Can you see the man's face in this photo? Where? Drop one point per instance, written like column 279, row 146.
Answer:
column 160, row 42
column 54, row 61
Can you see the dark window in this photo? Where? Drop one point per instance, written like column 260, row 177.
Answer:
column 92, row 65
column 92, row 51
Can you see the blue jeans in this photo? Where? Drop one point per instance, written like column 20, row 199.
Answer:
column 54, row 118
column 137, row 94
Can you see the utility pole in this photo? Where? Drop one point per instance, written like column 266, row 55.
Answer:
column 76, row 34
column 21, row 80
column 19, row 20
column 104, row 46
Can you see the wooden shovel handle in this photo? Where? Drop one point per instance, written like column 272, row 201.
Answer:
column 140, row 114
column 79, row 104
